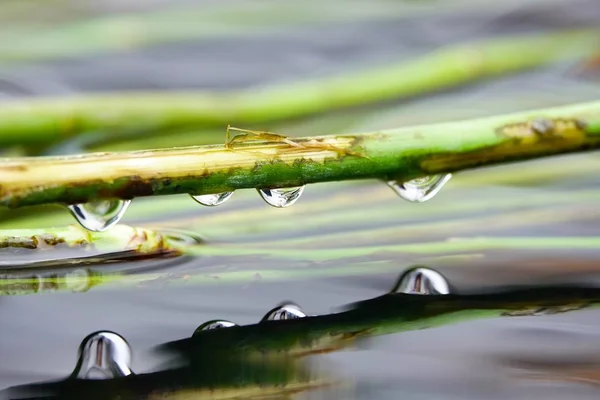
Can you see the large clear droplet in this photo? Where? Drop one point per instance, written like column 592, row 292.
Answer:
column 284, row 311
column 281, row 197
column 212, row 200
column 103, row 355
column 213, row 324
column 99, row 216
column 420, row 189
column 422, row 280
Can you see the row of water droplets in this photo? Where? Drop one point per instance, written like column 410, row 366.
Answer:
column 415, row 281
column 105, row 354
column 99, row 216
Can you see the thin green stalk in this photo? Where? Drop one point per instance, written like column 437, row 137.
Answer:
column 40, row 38
column 45, row 121
column 121, row 238
column 399, row 154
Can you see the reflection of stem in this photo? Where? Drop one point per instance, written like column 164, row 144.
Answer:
column 209, row 378
column 39, row 122
column 383, row 315
column 400, row 154
column 382, row 259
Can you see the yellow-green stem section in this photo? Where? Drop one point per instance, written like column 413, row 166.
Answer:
column 400, row 154
column 119, row 238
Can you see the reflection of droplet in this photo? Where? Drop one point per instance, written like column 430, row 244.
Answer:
column 420, row 189
column 281, row 197
column 99, row 216
column 421, row 280
column 212, row 200
column 284, row 311
column 214, row 324
column 103, row 355
column 78, row 280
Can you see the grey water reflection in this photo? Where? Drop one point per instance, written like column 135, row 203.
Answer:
column 276, row 356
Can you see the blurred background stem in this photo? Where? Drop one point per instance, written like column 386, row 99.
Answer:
column 41, row 122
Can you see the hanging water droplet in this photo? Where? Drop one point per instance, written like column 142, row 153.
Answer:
column 281, row 197
column 213, row 324
column 420, row 189
column 421, row 280
column 99, row 216
column 212, row 200
column 103, row 355
column 284, row 311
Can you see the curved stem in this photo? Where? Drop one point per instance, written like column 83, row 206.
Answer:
column 400, row 154
column 45, row 121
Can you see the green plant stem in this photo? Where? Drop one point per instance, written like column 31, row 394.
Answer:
column 45, row 121
column 400, row 154
column 38, row 37
column 120, row 238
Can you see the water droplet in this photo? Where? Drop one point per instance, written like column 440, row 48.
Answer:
column 420, row 189
column 212, row 200
column 103, row 355
column 284, row 311
column 281, row 197
column 421, row 280
column 213, row 324
column 99, row 216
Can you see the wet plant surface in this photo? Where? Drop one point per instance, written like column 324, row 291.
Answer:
column 296, row 291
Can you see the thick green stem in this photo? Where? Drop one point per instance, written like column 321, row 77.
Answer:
column 399, row 154
column 44, row 121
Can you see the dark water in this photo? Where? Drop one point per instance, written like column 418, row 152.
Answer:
column 487, row 359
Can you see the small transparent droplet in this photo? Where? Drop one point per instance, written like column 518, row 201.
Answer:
column 103, row 355
column 284, row 311
column 99, row 216
column 422, row 280
column 281, row 197
column 212, row 200
column 213, row 324
column 420, row 189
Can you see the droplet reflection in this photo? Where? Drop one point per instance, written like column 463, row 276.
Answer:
column 284, row 311
column 212, row 200
column 213, row 324
column 421, row 189
column 281, row 198
column 421, row 280
column 103, row 355
column 99, row 216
